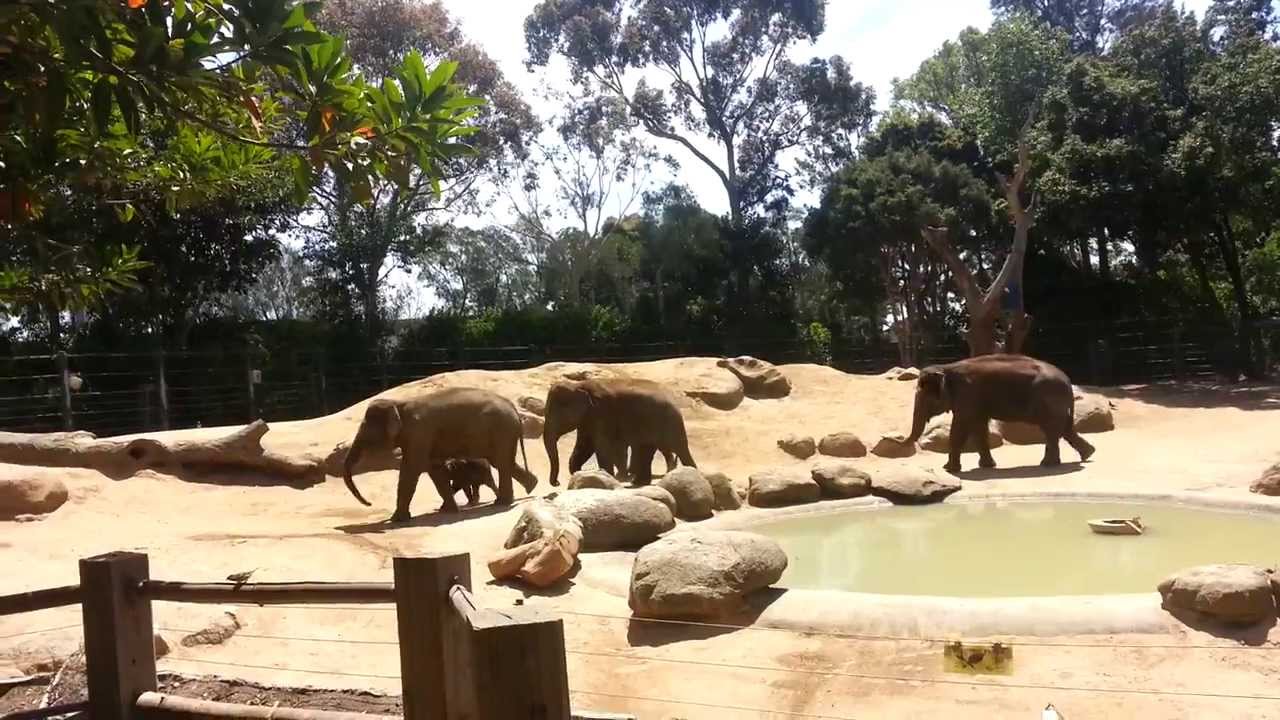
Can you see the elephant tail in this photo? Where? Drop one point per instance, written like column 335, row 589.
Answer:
column 351, row 485
column 527, row 479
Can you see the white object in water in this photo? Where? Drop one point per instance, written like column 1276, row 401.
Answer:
column 1116, row 526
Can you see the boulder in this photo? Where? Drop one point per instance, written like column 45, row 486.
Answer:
column 892, row 373
column 760, row 380
column 159, row 646
column 531, row 404
column 713, row 388
column 840, row 479
column 777, row 488
column 893, row 446
column 215, row 633
column 912, row 485
column 842, row 444
column 653, row 492
column 531, row 425
column 616, row 520
column 1269, row 483
column 694, row 497
column 908, row 374
column 937, row 437
column 800, row 446
column 1234, row 594
column 598, row 479
column 722, row 488
column 540, row 519
column 1093, row 414
column 30, row 495
column 702, row 575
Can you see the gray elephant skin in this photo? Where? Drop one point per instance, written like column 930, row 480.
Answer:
column 998, row 387
column 465, row 423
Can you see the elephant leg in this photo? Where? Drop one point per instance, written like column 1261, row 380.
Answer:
column 642, row 464
column 440, row 477
column 670, row 457
column 406, row 487
column 959, row 436
column 983, row 432
column 583, row 449
column 1052, row 434
column 1082, row 446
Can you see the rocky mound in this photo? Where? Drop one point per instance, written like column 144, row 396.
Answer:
column 760, row 380
column 1233, row 594
column 702, row 575
column 614, row 520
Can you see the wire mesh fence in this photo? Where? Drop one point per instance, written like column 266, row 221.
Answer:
column 125, row 393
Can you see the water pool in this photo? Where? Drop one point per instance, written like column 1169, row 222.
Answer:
column 1003, row 549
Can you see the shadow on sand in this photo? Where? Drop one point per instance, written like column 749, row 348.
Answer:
column 1200, row 395
column 1254, row 635
column 1014, row 473
column 432, row 519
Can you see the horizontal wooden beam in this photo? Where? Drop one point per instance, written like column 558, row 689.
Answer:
column 160, row 705
column 270, row 593
column 39, row 600
column 50, row 711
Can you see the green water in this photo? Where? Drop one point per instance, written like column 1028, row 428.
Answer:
column 1013, row 548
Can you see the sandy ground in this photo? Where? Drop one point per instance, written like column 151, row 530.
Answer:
column 1184, row 438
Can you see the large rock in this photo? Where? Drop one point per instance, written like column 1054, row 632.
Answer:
column 908, row 374
column 694, row 497
column 30, row 495
column 653, row 492
column 1269, row 483
column 598, row 479
column 911, row 485
column 702, row 575
column 616, row 520
column 840, row 479
column 726, row 495
column 534, row 405
column 760, row 380
column 540, row 519
column 893, row 446
column 1235, row 594
column 777, row 488
column 842, row 444
column 1093, row 414
column 799, row 446
column 542, row 547
column 715, row 389
column 937, row 437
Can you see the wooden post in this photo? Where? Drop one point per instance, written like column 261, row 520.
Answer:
column 118, row 646
column 162, row 390
column 435, row 664
column 520, row 651
column 68, row 423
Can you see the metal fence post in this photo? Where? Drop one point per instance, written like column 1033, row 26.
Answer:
column 64, row 401
column 119, row 648
column 162, row 390
column 435, row 662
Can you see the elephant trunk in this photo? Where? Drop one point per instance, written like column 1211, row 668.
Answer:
column 353, row 455
column 919, row 417
column 550, row 436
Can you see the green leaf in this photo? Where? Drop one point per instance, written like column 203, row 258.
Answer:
column 303, row 38
column 302, row 179
column 128, row 109
column 125, row 212
column 297, row 17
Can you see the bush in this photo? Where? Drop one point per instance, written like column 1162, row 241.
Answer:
column 817, row 342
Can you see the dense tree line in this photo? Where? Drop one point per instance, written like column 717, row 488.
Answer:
column 1078, row 161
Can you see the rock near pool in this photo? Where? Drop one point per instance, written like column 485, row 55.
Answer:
column 653, row 492
column 694, row 497
column 598, row 479
column 778, row 488
column 726, row 495
column 760, row 380
column 798, row 446
column 1233, row 594
column 616, row 520
column 911, row 485
column 1093, row 414
column 894, row 447
column 839, row 479
column 540, row 519
column 702, row 575
column 937, row 437
column 30, row 495
column 1269, row 483
column 842, row 444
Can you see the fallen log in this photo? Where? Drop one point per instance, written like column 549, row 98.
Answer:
column 240, row 451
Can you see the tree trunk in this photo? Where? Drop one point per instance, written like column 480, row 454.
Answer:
column 1248, row 315
column 1104, row 259
column 1086, row 262
column 1195, row 252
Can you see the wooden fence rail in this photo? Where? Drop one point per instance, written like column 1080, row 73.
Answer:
column 457, row 660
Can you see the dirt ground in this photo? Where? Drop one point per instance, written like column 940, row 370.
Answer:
column 1186, row 437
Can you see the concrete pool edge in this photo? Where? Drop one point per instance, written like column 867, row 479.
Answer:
column 933, row 616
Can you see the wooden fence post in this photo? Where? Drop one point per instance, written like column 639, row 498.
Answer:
column 64, row 399
column 162, row 390
column 119, row 648
column 435, row 663
column 519, row 666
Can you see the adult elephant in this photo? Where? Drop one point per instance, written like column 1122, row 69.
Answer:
column 438, row 426
column 1000, row 387
column 584, row 448
column 612, row 415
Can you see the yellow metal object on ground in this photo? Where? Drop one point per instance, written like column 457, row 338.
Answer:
column 991, row 659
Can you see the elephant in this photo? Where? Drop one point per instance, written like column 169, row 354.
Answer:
column 440, row 425
column 612, row 415
column 584, row 448
column 1000, row 387
column 466, row 475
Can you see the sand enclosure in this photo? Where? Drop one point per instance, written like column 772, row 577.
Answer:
column 1212, row 441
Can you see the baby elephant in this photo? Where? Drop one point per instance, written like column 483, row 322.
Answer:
column 466, row 475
